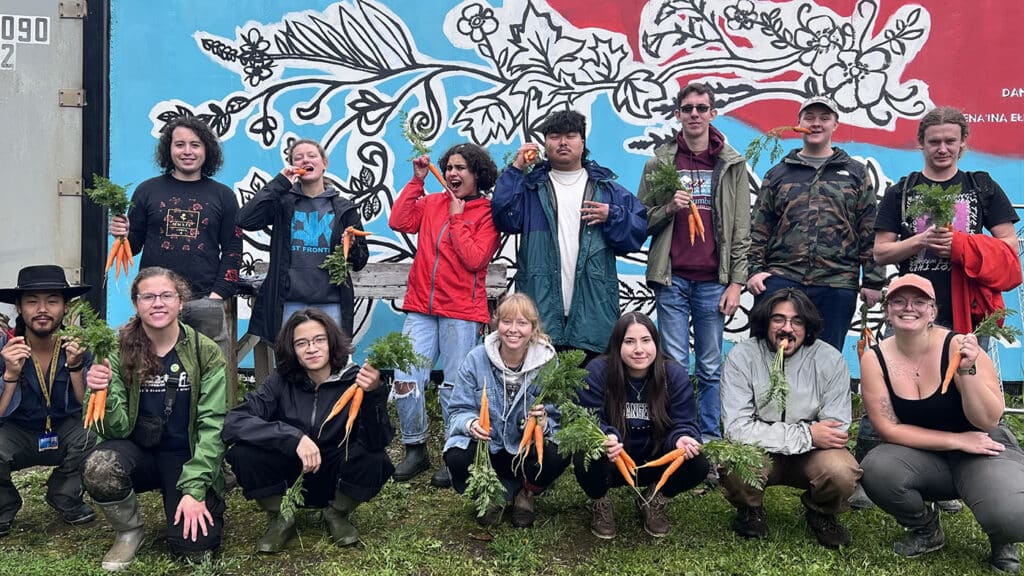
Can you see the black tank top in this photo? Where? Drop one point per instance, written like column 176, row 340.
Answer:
column 937, row 412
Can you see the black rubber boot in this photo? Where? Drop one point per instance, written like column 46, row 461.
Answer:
column 336, row 515
column 415, row 462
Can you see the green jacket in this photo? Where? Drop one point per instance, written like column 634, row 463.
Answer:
column 206, row 411
column 730, row 211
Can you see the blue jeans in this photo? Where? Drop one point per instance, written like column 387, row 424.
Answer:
column 684, row 303
column 432, row 336
column 332, row 309
column 836, row 306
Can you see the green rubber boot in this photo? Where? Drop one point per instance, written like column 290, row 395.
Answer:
column 336, row 515
column 125, row 519
column 279, row 530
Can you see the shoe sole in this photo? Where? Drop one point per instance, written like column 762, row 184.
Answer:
column 921, row 553
column 655, row 534
column 603, row 536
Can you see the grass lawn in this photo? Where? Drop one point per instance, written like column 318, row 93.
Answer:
column 414, row 529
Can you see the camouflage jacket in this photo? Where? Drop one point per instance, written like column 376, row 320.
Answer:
column 816, row 226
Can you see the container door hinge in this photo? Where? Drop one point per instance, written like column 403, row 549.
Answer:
column 77, row 10
column 71, row 97
column 69, row 187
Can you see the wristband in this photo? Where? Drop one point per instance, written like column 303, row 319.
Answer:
column 969, row 372
column 15, row 381
column 77, row 368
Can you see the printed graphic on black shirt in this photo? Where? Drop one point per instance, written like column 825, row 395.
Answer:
column 964, row 220
column 182, row 223
column 311, row 232
column 173, row 435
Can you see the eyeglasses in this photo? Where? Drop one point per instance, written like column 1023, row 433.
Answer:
column 780, row 321
column 148, row 299
column 903, row 303
column 303, row 343
column 701, row 108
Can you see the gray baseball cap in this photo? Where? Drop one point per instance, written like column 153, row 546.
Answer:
column 823, row 100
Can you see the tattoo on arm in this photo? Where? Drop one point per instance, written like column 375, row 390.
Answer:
column 885, row 407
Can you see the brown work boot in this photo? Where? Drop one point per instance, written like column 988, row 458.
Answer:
column 751, row 522
column 602, row 522
column 654, row 517
column 827, row 529
column 523, row 509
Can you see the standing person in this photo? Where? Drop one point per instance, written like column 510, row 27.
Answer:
column 699, row 284
column 184, row 220
column 962, row 263
column 309, row 218
column 939, row 446
column 166, row 400
column 506, row 364
column 446, row 298
column 41, row 396
column 806, row 436
column 574, row 219
column 644, row 403
column 813, row 226
column 280, row 431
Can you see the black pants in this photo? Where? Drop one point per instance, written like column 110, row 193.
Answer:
column 532, row 476
column 19, row 449
column 262, row 472
column 603, row 475
column 117, row 467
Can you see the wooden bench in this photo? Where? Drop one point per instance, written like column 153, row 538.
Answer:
column 379, row 280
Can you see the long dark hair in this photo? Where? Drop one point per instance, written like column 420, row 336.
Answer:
column 761, row 315
column 477, row 160
column 339, row 345
column 617, row 379
column 135, row 350
column 214, row 157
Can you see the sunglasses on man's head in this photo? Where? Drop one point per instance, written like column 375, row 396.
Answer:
column 701, row 108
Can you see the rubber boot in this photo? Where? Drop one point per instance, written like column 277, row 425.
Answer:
column 1005, row 557
column 125, row 519
column 279, row 530
column 336, row 515
column 442, row 478
column 415, row 462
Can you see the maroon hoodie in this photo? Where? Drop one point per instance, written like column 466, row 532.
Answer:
column 698, row 262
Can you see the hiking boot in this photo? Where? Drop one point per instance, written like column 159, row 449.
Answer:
column 827, row 529
column 441, row 478
column 859, row 499
column 523, row 513
column 949, row 506
column 77, row 513
column 492, row 517
column 129, row 532
column 602, row 522
column 654, row 517
column 336, row 515
column 922, row 539
column 751, row 522
column 1005, row 558
column 5, row 528
column 279, row 529
column 415, row 462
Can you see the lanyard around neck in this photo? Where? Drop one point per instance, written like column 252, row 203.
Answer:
column 46, row 384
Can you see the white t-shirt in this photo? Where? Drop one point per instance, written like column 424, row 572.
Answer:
column 569, row 188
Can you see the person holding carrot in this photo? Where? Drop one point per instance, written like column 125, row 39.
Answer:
column 939, row 444
column 160, row 428
column 645, row 405
column 184, row 221
column 506, row 365
column 446, row 298
column 41, row 396
column 284, row 432
column 308, row 218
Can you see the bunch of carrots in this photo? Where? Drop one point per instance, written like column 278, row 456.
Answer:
column 484, row 486
column 770, row 141
column 992, row 326
column 662, row 184
column 114, row 198
column 85, row 326
column 580, row 432
column 674, row 459
column 695, row 223
column 336, row 262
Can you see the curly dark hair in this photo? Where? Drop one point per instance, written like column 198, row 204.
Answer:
column 564, row 122
column 339, row 345
column 214, row 157
column 478, row 161
column 760, row 316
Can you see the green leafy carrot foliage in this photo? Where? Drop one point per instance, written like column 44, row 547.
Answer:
column 113, row 197
column 394, row 351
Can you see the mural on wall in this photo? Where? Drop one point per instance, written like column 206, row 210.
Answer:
column 492, row 71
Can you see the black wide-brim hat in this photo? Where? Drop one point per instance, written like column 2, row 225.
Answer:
column 44, row 278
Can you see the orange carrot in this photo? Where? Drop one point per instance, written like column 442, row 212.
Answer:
column 112, row 256
column 620, row 463
column 697, row 221
column 128, row 251
column 667, row 458
column 530, row 156
column 101, row 407
column 668, row 472
column 437, row 174
column 693, row 228
column 339, row 405
column 954, row 363
column 630, row 464
column 353, row 411
column 346, row 244
column 538, row 443
column 800, row 129
column 524, row 444
column 357, row 232
column 299, row 171
column 485, row 413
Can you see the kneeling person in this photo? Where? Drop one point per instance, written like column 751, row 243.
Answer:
column 281, row 431
column 804, row 431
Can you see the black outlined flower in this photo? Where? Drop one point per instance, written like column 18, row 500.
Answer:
column 857, row 79
column 741, row 16
column 477, row 22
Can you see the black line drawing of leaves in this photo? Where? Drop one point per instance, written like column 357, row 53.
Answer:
column 178, row 112
column 636, row 93
column 485, row 118
column 539, row 43
column 372, row 110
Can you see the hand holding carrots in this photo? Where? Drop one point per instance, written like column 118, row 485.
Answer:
column 368, row 378
column 119, row 226
column 309, row 453
column 420, row 167
column 539, row 414
column 526, row 155
column 99, row 376
column 680, row 201
column 613, row 447
column 689, row 446
column 293, row 172
column 937, row 240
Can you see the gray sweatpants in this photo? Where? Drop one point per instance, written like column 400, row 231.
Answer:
column 900, row 480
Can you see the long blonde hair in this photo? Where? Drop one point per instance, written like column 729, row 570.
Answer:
column 520, row 304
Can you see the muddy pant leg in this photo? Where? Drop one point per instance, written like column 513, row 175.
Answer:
column 113, row 469
column 263, row 472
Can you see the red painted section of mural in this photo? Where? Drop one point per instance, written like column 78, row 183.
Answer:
column 969, row 61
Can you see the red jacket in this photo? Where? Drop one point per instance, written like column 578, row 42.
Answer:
column 983, row 268
column 449, row 272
